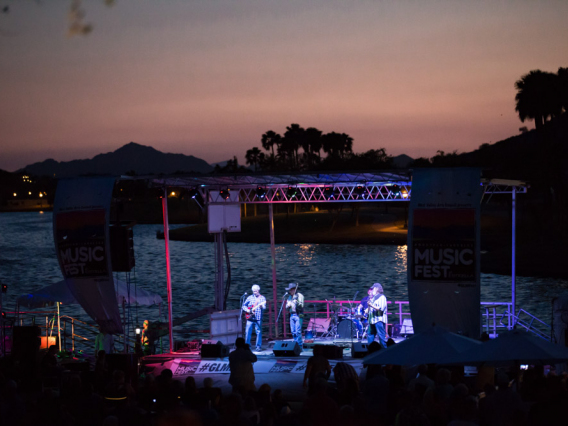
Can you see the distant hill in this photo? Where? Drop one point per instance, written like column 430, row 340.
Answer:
column 529, row 156
column 402, row 161
column 141, row 159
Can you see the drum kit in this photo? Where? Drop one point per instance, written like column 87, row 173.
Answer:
column 347, row 323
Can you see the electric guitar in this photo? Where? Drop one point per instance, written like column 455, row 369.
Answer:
column 249, row 314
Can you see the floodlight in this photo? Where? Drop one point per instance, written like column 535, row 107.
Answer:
column 260, row 192
column 224, row 193
column 292, row 192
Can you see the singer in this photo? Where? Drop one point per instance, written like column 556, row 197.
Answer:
column 253, row 307
column 295, row 306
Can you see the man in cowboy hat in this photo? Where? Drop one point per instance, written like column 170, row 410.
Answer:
column 295, row 306
column 377, row 308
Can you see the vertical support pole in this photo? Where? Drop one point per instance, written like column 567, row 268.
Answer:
column 513, row 256
column 58, row 327
column 2, row 332
column 73, row 336
column 168, row 267
column 273, row 254
column 219, row 274
column 125, row 346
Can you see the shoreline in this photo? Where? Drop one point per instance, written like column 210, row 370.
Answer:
column 378, row 228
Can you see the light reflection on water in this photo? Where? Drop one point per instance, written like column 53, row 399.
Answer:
column 28, row 262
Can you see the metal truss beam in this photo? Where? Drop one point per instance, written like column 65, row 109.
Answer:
column 313, row 188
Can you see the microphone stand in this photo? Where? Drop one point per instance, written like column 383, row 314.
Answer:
column 281, row 306
column 243, row 324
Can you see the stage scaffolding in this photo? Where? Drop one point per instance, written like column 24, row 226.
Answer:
column 347, row 187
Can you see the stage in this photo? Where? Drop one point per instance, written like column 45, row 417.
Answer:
column 280, row 372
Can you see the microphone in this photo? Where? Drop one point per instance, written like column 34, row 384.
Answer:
column 285, row 293
column 245, row 293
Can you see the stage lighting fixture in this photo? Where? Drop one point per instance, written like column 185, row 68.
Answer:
column 138, row 331
column 404, row 194
column 4, row 288
column 359, row 190
column 328, row 192
column 193, row 193
column 260, row 192
column 291, row 192
column 224, row 193
column 395, row 191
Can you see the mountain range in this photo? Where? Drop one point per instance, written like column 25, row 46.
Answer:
column 140, row 160
column 132, row 157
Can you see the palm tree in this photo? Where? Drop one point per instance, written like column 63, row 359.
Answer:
column 293, row 140
column 337, row 144
column 253, row 157
column 538, row 97
column 312, row 144
column 269, row 139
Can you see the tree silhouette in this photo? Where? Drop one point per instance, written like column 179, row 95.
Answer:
column 563, row 83
column 538, row 97
column 292, row 142
column 269, row 139
column 312, row 144
column 254, row 157
column 337, row 144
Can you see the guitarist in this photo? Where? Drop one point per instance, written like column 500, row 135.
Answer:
column 377, row 309
column 295, row 306
column 253, row 307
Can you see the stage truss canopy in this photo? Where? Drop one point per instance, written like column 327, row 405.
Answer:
column 387, row 186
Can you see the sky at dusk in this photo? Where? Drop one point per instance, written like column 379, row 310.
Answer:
column 209, row 77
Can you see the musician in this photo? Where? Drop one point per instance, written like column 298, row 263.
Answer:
column 377, row 311
column 253, row 307
column 364, row 304
column 295, row 306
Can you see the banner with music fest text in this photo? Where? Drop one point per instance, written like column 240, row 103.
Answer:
column 80, row 228
column 443, row 250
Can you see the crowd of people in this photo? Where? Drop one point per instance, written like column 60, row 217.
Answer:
column 380, row 395
column 335, row 393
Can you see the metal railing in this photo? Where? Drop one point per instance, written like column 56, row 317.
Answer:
column 74, row 332
column 533, row 325
column 495, row 318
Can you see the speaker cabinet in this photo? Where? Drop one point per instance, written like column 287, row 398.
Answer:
column 359, row 350
column 218, row 350
column 288, row 348
column 331, row 351
column 121, row 248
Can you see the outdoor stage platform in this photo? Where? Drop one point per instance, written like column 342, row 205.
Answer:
column 280, row 372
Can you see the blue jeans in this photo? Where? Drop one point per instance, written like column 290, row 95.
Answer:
column 377, row 329
column 248, row 332
column 296, row 328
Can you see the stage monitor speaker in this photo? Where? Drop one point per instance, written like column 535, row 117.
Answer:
column 121, row 248
column 179, row 345
column 218, row 350
column 287, row 348
column 359, row 350
column 331, row 351
column 395, row 330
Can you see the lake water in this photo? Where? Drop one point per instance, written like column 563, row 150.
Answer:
column 28, row 262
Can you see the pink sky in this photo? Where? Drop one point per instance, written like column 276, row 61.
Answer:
column 209, row 77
